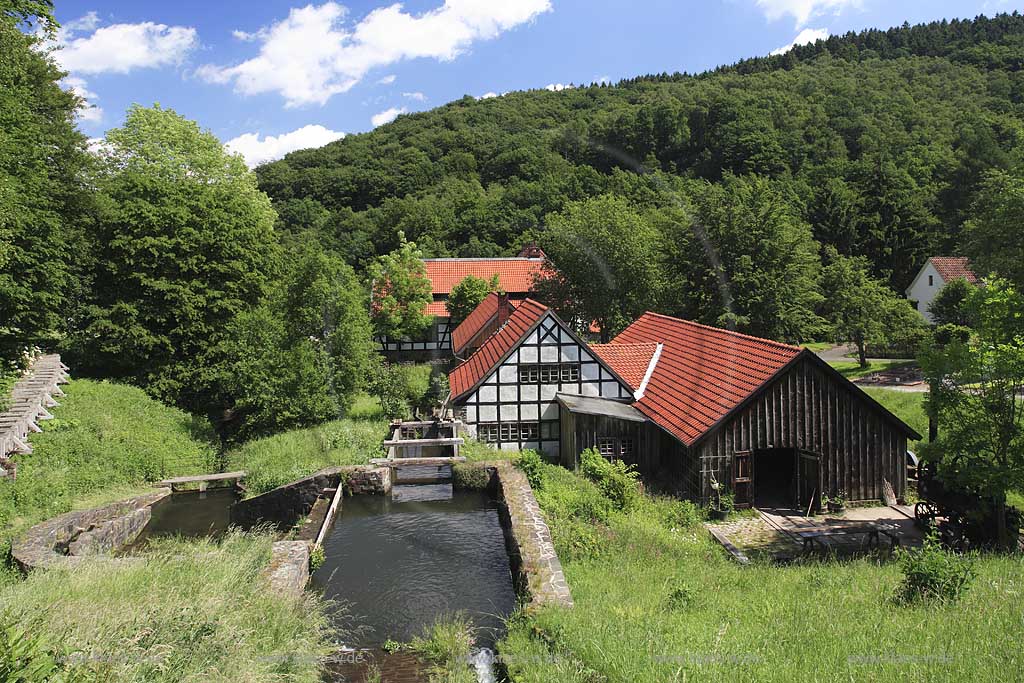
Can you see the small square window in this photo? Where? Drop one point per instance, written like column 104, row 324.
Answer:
column 488, row 433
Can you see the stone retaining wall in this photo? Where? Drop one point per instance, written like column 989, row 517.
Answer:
column 68, row 537
column 287, row 504
column 527, row 538
column 288, row 571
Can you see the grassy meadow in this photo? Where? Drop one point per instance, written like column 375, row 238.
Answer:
column 852, row 370
column 107, row 441
column 657, row 600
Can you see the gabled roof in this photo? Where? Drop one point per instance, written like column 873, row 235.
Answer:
column 953, row 267
column 630, row 361
column 703, row 373
column 515, row 275
column 466, row 376
column 475, row 322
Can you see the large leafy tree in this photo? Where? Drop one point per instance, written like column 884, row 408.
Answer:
column 602, row 264
column 42, row 156
column 400, row 292
column 861, row 309
column 976, row 384
column 301, row 356
column 184, row 243
column 748, row 261
column 467, row 294
column 998, row 215
column 951, row 305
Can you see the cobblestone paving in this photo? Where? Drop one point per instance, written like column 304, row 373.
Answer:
column 757, row 539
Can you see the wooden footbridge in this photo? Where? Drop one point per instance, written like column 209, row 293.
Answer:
column 29, row 403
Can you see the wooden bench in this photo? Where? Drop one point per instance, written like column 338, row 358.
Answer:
column 809, row 536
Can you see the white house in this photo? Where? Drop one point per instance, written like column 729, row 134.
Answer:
column 933, row 276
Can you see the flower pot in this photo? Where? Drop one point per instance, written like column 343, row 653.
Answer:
column 718, row 515
column 836, row 507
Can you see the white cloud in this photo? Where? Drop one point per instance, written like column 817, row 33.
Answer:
column 488, row 95
column 557, row 87
column 386, row 116
column 603, row 80
column 387, row 80
column 247, row 37
column 88, row 111
column 808, row 35
column 256, row 150
column 120, row 48
column 312, row 55
column 418, row 96
column 803, row 10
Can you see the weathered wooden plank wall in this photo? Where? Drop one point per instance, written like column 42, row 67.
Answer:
column 811, row 410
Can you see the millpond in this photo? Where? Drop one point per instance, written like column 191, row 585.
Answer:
column 396, row 563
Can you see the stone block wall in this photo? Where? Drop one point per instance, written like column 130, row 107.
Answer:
column 64, row 538
column 527, row 537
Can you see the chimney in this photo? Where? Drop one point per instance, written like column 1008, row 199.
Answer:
column 532, row 251
column 504, row 309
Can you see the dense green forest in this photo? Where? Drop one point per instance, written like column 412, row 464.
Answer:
column 791, row 197
column 878, row 141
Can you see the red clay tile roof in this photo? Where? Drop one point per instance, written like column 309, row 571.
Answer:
column 515, row 275
column 440, row 308
column 703, row 372
column 953, row 267
column 475, row 321
column 630, row 361
column 463, row 378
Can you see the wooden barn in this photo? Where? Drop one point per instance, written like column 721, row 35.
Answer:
column 688, row 405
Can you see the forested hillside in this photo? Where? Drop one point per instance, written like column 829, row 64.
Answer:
column 878, row 141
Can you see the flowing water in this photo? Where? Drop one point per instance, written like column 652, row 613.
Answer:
column 397, row 563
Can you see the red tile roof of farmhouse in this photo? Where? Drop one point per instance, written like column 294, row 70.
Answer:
column 515, row 275
column 476, row 320
column 703, row 372
column 464, row 377
column 630, row 361
column 953, row 267
column 440, row 308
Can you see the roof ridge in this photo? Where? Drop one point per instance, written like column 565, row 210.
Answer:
column 722, row 330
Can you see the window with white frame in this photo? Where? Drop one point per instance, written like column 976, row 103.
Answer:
column 615, row 448
column 549, row 373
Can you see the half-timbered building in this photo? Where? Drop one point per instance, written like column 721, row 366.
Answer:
column 516, row 276
column 691, row 406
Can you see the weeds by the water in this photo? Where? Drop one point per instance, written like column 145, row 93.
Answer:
column 184, row 611
column 446, row 647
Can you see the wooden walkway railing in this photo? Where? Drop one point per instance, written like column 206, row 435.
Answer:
column 28, row 404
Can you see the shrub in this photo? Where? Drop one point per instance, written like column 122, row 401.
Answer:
column 25, row 658
column 680, row 514
column 470, row 477
column 616, row 480
column 933, row 573
column 532, row 465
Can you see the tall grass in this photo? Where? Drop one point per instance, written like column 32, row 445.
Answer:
column 279, row 459
column 187, row 611
column 656, row 600
column 445, row 647
column 107, row 441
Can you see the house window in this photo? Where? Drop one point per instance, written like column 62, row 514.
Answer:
column 549, row 430
column 931, row 280
column 615, row 448
column 507, row 432
column 488, row 433
column 549, row 373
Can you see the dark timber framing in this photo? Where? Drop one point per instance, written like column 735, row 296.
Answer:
column 501, row 399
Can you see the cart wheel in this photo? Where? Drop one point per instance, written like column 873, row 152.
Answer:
column 925, row 514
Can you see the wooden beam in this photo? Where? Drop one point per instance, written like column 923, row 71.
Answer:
column 223, row 476
column 397, row 462
column 425, row 442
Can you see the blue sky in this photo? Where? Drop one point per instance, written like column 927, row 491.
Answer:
column 271, row 76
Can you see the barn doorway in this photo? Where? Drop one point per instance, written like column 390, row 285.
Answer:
column 775, row 486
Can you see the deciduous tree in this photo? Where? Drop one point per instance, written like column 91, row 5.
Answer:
column 184, row 243
column 467, row 294
column 400, row 292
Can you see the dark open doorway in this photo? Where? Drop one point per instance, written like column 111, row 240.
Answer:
column 775, row 486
